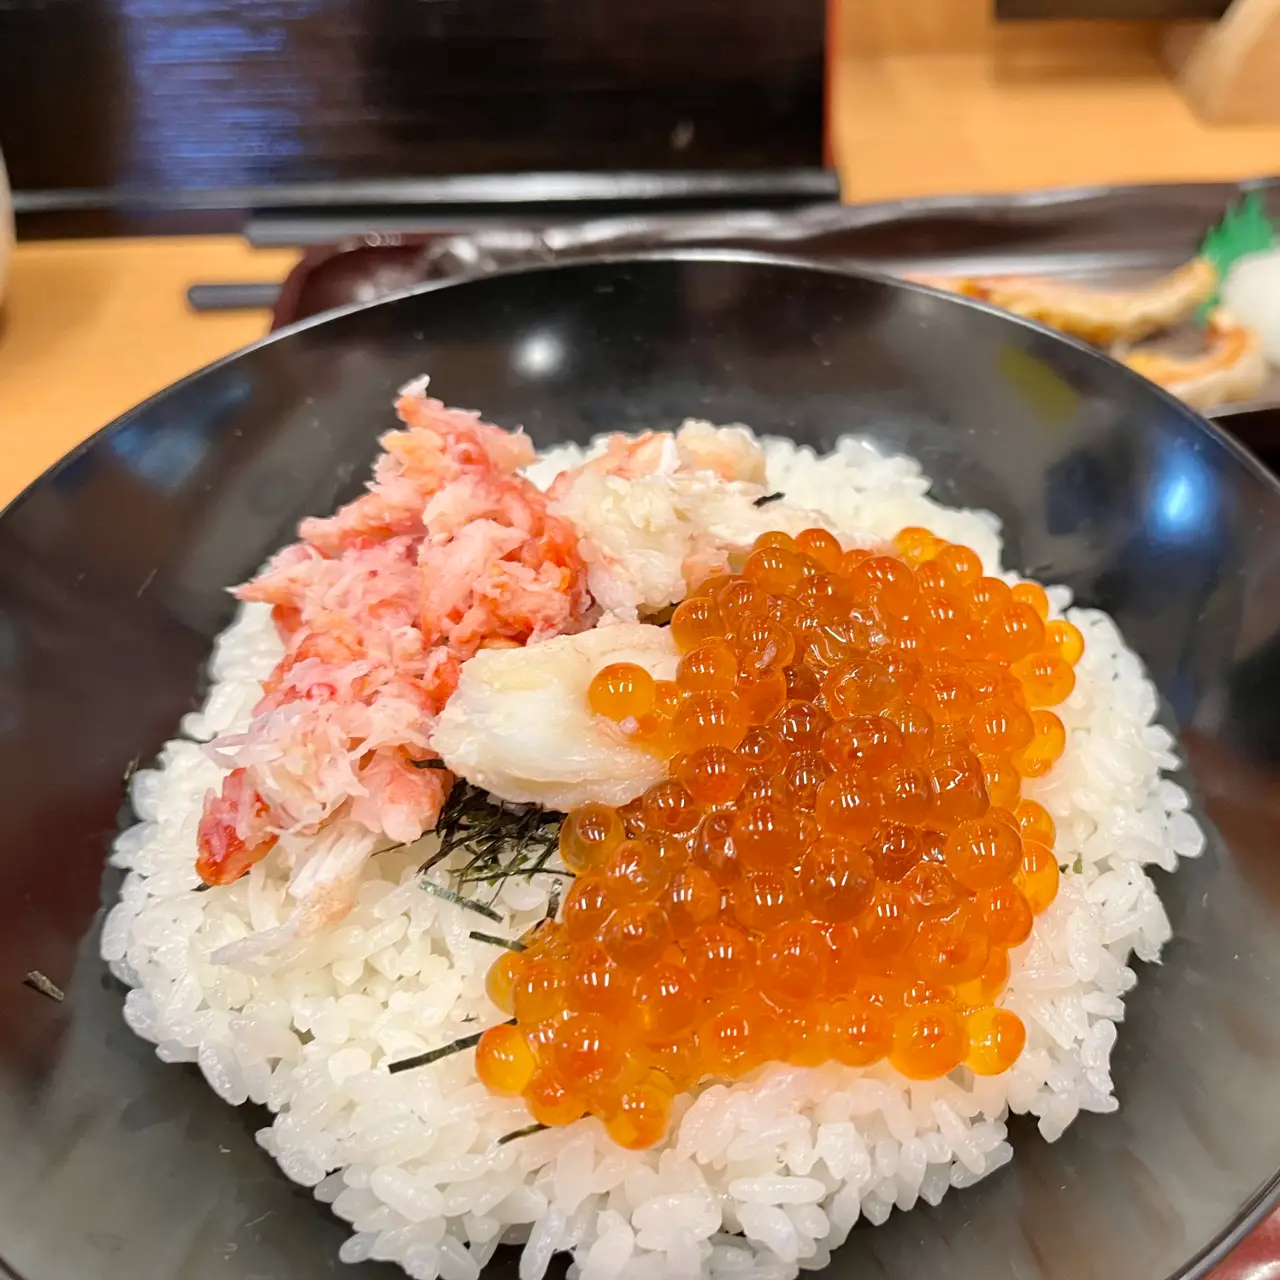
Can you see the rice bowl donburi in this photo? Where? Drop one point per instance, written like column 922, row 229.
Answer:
column 669, row 853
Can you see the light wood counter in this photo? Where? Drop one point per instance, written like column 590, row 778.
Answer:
column 937, row 123
column 930, row 97
column 92, row 328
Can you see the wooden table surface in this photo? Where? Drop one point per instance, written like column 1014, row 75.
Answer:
column 92, row 328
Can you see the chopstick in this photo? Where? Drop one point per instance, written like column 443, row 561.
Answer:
column 246, row 296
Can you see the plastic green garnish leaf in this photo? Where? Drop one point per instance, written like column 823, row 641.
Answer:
column 1244, row 229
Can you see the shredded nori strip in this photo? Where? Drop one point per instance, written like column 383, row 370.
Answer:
column 496, row 941
column 47, row 988
column 502, row 840
column 458, row 900
column 766, row 498
column 526, row 1132
column 434, row 1055
column 553, row 901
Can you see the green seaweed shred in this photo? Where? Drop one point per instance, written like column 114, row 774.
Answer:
column 444, row 1051
column 1245, row 228
column 37, row 981
column 528, row 1131
column 460, row 900
column 501, row 841
column 493, row 940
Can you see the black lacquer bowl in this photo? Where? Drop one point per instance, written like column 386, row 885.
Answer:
column 112, row 575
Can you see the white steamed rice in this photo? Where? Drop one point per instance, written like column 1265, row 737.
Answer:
column 757, row 1179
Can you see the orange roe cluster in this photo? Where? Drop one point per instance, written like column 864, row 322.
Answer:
column 840, row 860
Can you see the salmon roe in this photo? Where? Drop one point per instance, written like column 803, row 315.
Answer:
column 841, row 859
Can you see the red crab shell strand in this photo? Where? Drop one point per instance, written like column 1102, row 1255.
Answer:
column 449, row 550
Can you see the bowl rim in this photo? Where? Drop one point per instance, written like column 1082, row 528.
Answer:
column 1266, row 1197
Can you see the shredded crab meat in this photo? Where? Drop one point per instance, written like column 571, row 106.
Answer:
column 728, row 452
column 378, row 605
column 449, row 553
column 659, row 513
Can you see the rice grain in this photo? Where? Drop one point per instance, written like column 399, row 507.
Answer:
column 758, row 1179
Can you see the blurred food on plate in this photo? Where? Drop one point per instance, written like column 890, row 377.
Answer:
column 1230, row 291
